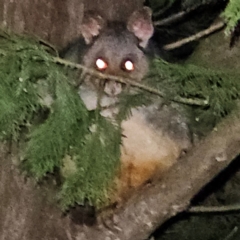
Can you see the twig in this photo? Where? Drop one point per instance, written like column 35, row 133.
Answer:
column 179, row 15
column 231, row 234
column 213, row 28
column 48, row 45
column 197, row 102
column 215, row 209
column 161, row 11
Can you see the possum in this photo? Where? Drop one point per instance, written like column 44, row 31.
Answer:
column 113, row 48
column 154, row 136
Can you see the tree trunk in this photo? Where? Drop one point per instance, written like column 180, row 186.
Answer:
column 58, row 21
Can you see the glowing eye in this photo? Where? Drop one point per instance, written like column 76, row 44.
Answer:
column 100, row 64
column 128, row 65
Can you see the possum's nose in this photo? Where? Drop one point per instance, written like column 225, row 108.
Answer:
column 112, row 88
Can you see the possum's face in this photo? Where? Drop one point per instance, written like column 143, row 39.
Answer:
column 116, row 48
column 116, row 52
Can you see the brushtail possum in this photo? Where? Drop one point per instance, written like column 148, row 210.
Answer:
column 114, row 48
column 154, row 136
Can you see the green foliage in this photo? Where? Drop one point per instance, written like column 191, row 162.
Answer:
column 40, row 108
column 93, row 157
column 218, row 88
column 18, row 100
column 231, row 15
column 128, row 101
column 50, row 141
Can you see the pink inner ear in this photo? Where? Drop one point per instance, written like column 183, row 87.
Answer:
column 140, row 24
column 143, row 31
column 91, row 26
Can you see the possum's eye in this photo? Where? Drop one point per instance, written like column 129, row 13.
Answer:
column 101, row 64
column 128, row 65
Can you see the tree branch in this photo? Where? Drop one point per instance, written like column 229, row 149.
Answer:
column 213, row 28
column 231, row 234
column 179, row 15
column 99, row 75
column 215, row 209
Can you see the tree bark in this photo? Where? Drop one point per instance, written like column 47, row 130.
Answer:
column 58, row 21
column 55, row 21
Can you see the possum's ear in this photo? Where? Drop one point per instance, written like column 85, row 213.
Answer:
column 91, row 26
column 140, row 23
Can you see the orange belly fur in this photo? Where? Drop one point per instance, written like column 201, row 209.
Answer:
column 146, row 153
